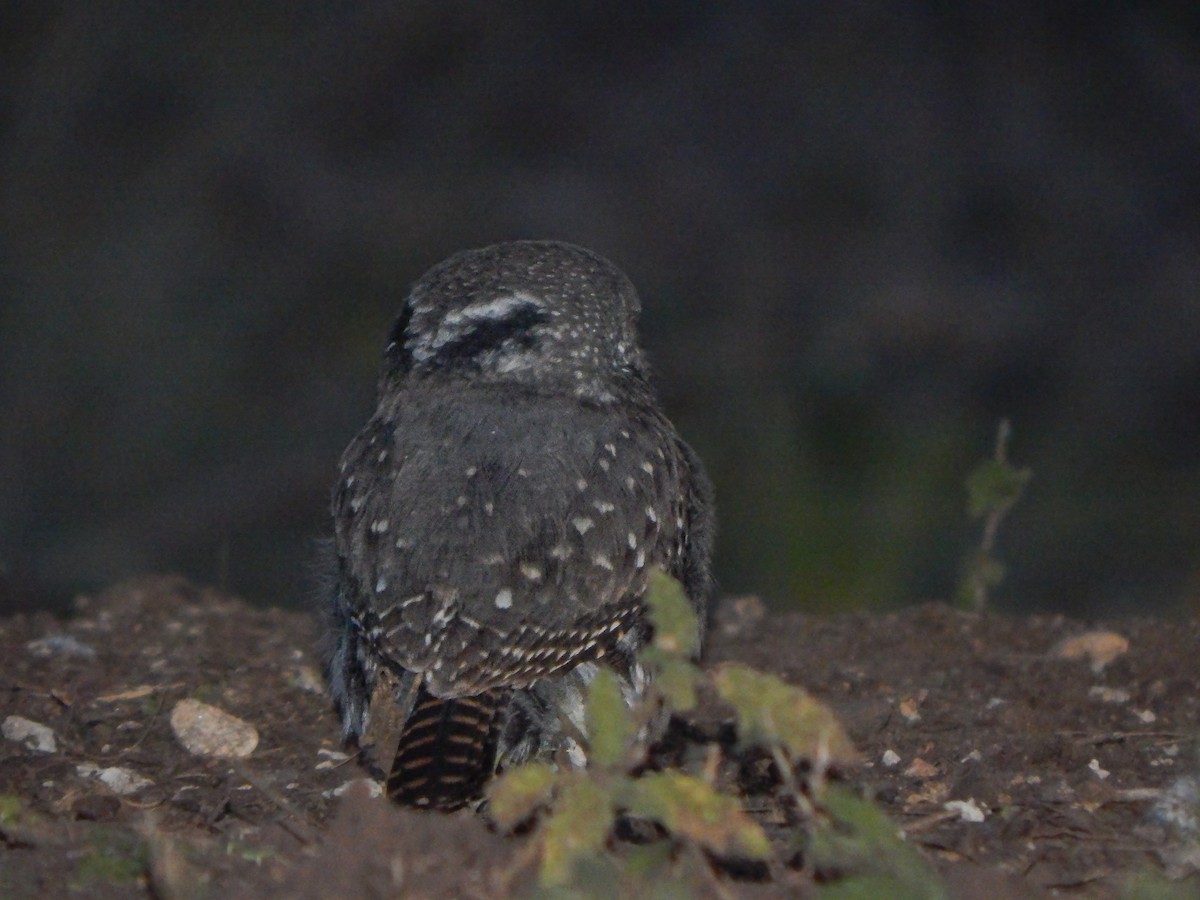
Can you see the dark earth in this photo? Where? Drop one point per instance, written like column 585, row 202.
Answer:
column 1062, row 755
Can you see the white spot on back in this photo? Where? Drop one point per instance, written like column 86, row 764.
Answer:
column 381, row 584
column 633, row 542
column 581, row 484
column 602, row 561
column 647, row 468
column 531, row 571
column 523, row 472
column 379, row 526
column 603, row 506
column 604, row 464
column 471, row 472
column 612, row 449
column 504, row 598
column 582, row 524
column 560, row 551
column 651, row 514
column 489, row 507
column 356, row 503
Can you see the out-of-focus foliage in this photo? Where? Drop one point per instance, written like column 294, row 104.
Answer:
column 861, row 236
column 771, row 712
column 993, row 489
column 578, row 808
column 849, row 845
column 862, row 855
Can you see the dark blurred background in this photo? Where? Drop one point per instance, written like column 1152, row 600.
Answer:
column 862, row 232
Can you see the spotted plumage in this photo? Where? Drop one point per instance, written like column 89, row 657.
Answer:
column 495, row 521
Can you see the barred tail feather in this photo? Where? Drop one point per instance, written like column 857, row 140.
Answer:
column 446, row 751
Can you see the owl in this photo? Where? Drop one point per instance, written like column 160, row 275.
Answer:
column 496, row 520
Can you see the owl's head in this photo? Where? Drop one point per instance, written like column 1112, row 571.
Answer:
column 542, row 314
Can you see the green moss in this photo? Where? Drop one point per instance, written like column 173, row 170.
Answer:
column 10, row 809
column 112, row 856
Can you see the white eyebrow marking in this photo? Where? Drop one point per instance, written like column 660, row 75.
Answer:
column 456, row 323
column 494, row 309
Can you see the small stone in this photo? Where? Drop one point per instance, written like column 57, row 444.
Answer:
column 968, row 810
column 34, row 735
column 332, row 759
column 61, row 645
column 739, row 616
column 374, row 788
column 1098, row 647
column 910, row 709
column 1178, row 807
column 307, row 678
column 119, row 781
column 1107, row 694
column 208, row 731
column 919, row 768
column 890, row 758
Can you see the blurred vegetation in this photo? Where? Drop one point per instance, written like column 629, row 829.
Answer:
column 845, row 843
column 861, row 237
column 993, row 489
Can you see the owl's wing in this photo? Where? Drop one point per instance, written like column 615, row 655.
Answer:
column 503, row 536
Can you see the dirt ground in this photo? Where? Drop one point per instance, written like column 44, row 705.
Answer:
column 1063, row 775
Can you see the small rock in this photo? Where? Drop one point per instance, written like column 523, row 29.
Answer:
column 333, row 758
column 1107, row 694
column 61, row 645
column 1098, row 647
column 119, row 781
column 919, row 768
column 1100, row 773
column 33, row 735
column 968, row 810
column 374, row 788
column 739, row 615
column 208, row 731
column 307, row 678
column 1178, row 811
column 890, row 758
column 1178, row 807
column 910, row 709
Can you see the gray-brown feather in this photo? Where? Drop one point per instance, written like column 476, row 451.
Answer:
column 496, row 539
column 496, row 519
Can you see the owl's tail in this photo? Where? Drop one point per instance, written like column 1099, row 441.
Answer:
column 446, row 751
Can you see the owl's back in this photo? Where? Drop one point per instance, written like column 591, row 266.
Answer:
column 502, row 535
